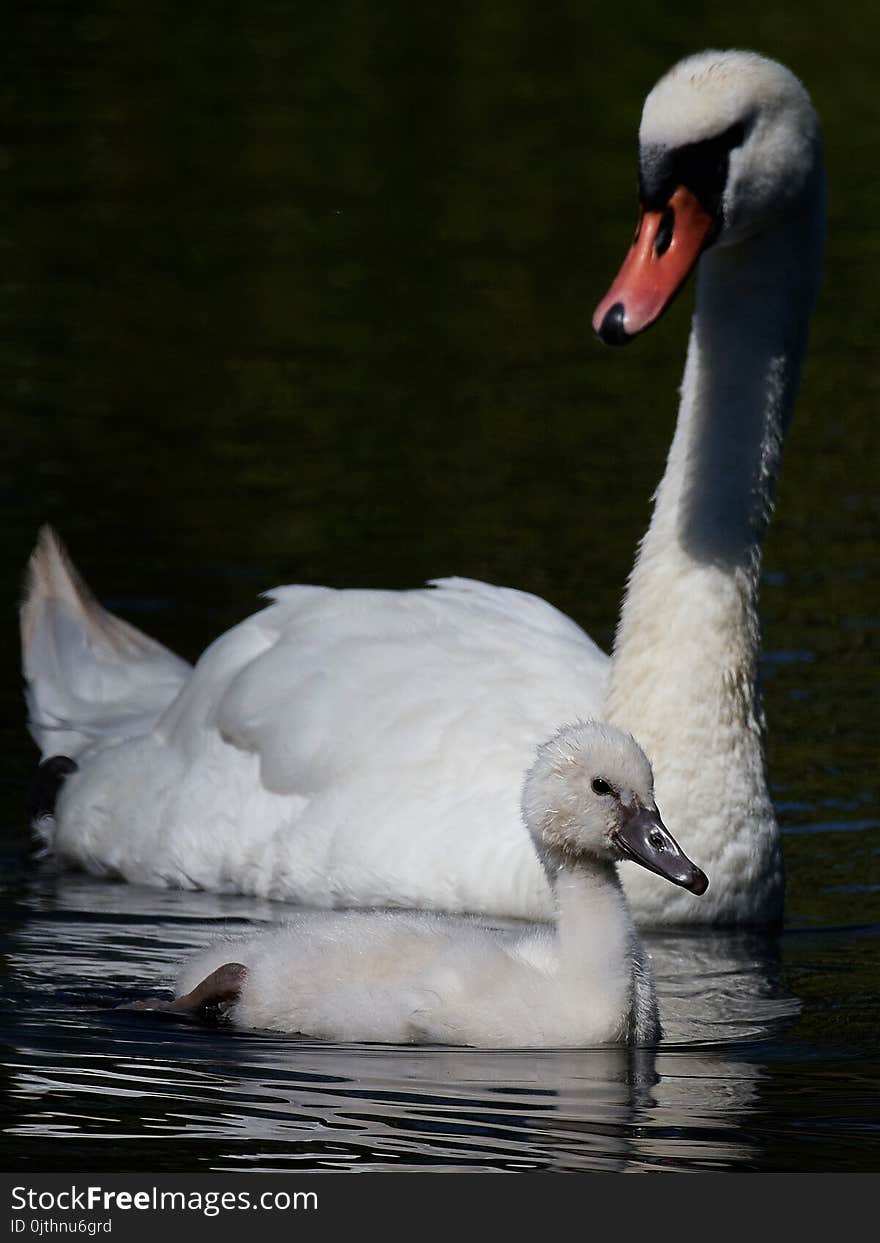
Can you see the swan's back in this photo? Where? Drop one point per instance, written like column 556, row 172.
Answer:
column 338, row 747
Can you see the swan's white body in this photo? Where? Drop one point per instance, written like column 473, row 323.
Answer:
column 398, row 976
column 340, row 748
column 367, row 748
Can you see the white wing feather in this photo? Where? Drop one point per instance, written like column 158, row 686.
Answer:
column 337, row 748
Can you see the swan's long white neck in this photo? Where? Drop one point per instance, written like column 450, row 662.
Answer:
column 684, row 672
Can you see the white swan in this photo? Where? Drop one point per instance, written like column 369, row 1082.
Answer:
column 396, row 977
column 352, row 748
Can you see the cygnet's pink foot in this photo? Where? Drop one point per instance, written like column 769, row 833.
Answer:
column 221, row 988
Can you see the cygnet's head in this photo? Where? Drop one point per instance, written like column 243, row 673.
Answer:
column 590, row 796
column 729, row 144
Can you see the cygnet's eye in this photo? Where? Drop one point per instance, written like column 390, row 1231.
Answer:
column 600, row 786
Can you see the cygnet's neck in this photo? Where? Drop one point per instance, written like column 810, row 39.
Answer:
column 684, row 671
column 595, row 932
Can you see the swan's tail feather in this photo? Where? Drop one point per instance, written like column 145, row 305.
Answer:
column 89, row 674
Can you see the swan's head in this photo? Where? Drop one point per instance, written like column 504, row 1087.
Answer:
column 729, row 145
column 590, row 795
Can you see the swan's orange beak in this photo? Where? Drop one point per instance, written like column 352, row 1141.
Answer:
column 667, row 245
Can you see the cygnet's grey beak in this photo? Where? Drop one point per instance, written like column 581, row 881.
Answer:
column 645, row 839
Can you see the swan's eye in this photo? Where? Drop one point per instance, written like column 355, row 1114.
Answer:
column 664, row 232
column 600, row 786
column 657, row 840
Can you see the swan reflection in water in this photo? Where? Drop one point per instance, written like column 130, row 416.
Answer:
column 79, row 1070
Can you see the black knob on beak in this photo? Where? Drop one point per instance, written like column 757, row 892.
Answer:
column 612, row 330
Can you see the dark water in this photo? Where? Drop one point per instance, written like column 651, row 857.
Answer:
column 301, row 293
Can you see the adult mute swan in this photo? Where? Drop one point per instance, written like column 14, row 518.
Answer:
column 357, row 748
column 588, row 801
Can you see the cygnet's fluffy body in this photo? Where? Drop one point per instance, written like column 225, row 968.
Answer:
column 416, row 977
column 410, row 977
